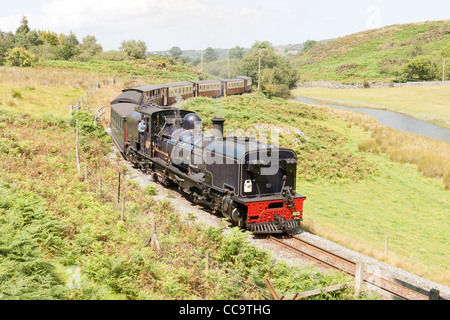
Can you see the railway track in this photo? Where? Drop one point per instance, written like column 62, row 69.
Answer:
column 327, row 259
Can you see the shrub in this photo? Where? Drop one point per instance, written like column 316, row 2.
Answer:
column 19, row 57
column 422, row 67
column 86, row 124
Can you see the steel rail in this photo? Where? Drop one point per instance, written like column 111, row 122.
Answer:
column 334, row 266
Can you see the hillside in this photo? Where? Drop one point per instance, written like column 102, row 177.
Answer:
column 378, row 54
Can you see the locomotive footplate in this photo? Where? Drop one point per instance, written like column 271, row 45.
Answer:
column 279, row 225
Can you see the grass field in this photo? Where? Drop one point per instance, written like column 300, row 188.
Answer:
column 42, row 100
column 431, row 103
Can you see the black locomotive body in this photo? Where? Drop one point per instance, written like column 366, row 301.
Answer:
column 249, row 182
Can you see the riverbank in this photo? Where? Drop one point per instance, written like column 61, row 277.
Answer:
column 429, row 103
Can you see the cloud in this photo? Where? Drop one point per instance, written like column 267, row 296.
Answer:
column 168, row 22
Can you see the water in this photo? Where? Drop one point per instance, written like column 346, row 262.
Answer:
column 394, row 120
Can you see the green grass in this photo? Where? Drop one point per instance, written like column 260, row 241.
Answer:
column 427, row 103
column 399, row 203
column 41, row 100
column 146, row 70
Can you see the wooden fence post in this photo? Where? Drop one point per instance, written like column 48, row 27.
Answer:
column 123, row 209
column 434, row 294
column 76, row 147
column 359, row 277
column 272, row 291
column 118, row 190
column 206, row 270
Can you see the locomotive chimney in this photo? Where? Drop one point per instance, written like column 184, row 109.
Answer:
column 218, row 126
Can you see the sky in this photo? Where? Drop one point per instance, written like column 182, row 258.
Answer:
column 198, row 24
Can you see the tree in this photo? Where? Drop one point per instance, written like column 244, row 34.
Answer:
column 263, row 45
column 19, row 57
column 236, row 52
column 50, row 37
column 277, row 73
column 6, row 43
column 72, row 38
column 422, row 67
column 210, row 55
column 23, row 29
column 89, row 48
column 25, row 37
column 175, row 52
column 67, row 50
column 134, row 49
column 309, row 44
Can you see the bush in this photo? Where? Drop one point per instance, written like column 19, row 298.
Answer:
column 422, row 67
column 85, row 123
column 19, row 57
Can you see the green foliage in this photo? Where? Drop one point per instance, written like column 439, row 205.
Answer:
column 309, row 44
column 6, row 43
column 86, row 125
column 422, row 67
column 89, row 48
column 50, row 37
column 175, row 52
column 236, row 53
column 67, row 50
column 277, row 74
column 150, row 190
column 134, row 49
column 210, row 55
column 25, row 227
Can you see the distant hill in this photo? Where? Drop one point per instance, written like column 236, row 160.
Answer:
column 377, row 54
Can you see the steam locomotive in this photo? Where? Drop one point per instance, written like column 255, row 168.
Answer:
column 250, row 182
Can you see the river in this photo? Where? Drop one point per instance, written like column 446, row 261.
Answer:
column 394, row 120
